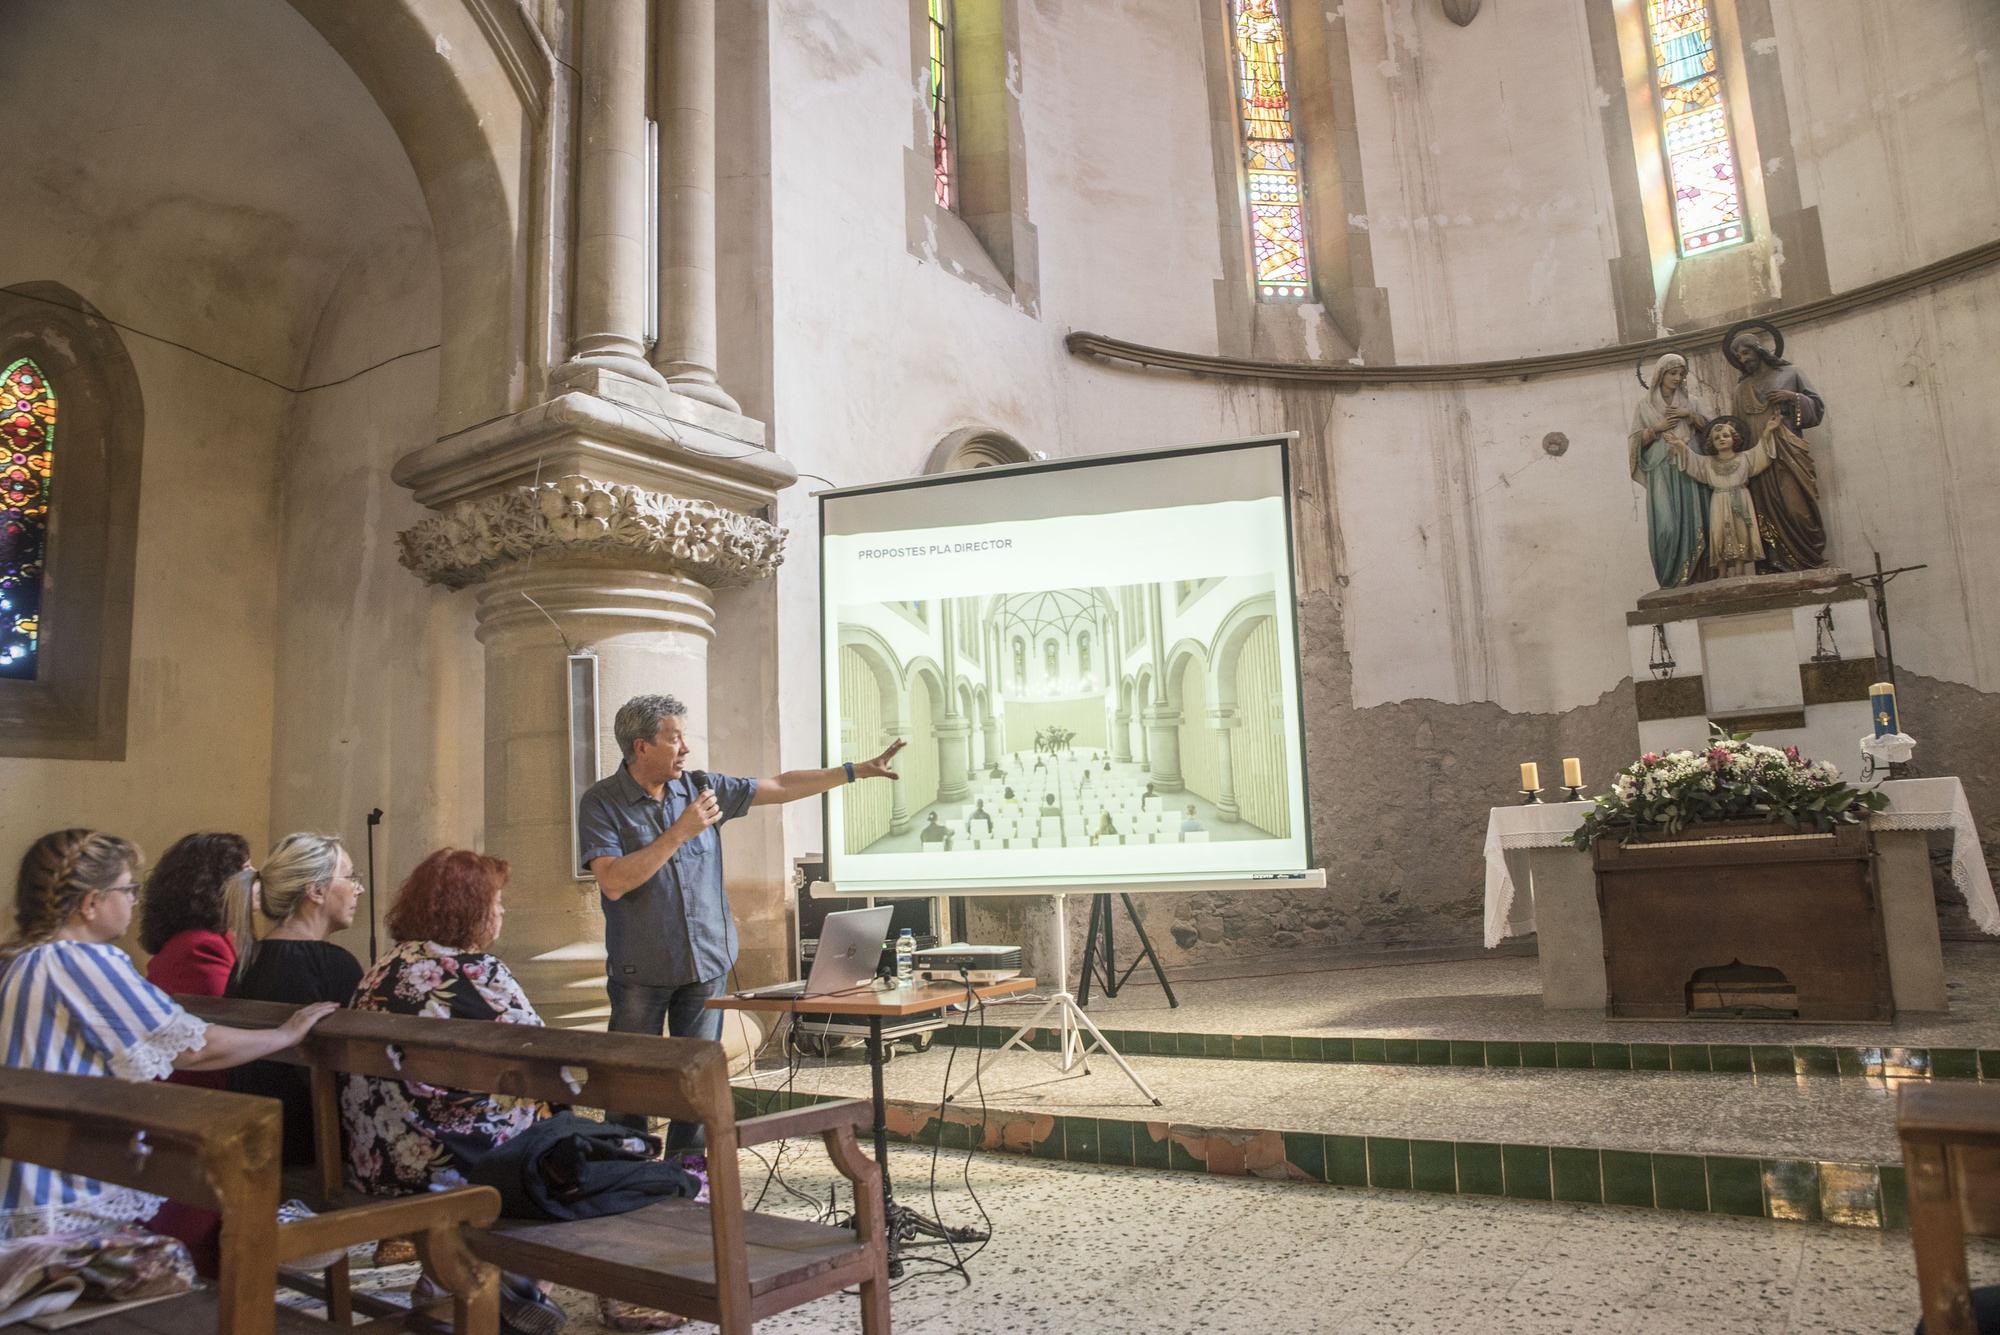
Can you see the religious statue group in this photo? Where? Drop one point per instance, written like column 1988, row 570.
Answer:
column 1734, row 494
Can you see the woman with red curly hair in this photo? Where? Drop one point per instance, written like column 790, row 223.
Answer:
column 444, row 922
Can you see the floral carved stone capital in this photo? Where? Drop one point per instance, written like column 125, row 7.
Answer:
column 698, row 539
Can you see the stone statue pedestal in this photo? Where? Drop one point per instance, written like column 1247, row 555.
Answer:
column 1754, row 655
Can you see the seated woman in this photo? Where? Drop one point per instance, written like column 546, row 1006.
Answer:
column 71, row 1003
column 445, row 920
column 185, row 925
column 307, row 887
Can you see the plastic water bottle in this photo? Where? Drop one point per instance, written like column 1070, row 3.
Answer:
column 906, row 953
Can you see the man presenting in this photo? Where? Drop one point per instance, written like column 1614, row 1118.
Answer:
column 647, row 835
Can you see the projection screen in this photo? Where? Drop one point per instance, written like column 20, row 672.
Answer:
column 1094, row 663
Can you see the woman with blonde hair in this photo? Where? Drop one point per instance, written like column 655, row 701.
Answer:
column 307, row 888
column 71, row 1003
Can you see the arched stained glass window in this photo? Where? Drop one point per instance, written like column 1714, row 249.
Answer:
column 943, row 104
column 27, row 459
column 1694, row 126
column 1083, row 653
column 1051, row 660
column 1270, row 153
column 1020, row 665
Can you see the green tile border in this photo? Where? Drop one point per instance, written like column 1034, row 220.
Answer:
column 1805, row 1190
column 1810, row 1060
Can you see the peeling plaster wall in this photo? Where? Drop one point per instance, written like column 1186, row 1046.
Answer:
column 1464, row 589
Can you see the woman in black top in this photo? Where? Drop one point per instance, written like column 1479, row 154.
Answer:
column 307, row 887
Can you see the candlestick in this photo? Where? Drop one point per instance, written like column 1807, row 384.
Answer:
column 1531, row 777
column 1572, row 772
column 1531, row 797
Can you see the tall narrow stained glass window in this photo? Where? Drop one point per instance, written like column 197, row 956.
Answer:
column 1694, row 126
column 943, row 104
column 27, row 457
column 1270, row 153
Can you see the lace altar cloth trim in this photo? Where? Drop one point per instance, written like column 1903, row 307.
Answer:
column 112, row 1208
column 1914, row 804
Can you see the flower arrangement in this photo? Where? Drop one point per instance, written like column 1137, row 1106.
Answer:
column 1732, row 779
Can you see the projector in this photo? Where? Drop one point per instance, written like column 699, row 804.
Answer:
column 959, row 962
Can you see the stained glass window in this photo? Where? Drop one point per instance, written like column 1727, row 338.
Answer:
column 27, row 457
column 1694, row 126
column 1270, row 153
column 941, row 102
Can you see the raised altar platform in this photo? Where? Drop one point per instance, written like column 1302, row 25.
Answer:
column 1448, row 1076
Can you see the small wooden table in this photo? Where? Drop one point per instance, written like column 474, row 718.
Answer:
column 895, row 1003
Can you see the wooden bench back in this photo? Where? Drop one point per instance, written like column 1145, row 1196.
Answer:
column 198, row 1146
column 686, row 1079
column 1951, row 1158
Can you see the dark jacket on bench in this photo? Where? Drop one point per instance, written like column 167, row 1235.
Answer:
column 571, row 1167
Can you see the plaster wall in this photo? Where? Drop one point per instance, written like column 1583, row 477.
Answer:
column 287, row 673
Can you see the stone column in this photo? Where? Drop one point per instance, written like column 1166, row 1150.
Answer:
column 625, row 574
column 954, row 782
column 1222, row 721
column 684, row 105
column 1163, row 736
column 899, row 811
column 1121, row 737
column 989, row 732
column 610, row 312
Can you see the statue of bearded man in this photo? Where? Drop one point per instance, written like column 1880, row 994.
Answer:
column 1774, row 393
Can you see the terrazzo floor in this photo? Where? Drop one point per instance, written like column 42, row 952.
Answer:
column 1851, row 1120
column 1497, row 996
column 1084, row 1250
column 1103, row 1251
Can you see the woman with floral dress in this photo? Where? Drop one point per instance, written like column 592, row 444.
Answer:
column 446, row 916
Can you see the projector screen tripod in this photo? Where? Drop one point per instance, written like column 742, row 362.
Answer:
column 1078, row 1037
column 1095, row 957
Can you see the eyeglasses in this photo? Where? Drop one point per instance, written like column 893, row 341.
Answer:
column 130, row 887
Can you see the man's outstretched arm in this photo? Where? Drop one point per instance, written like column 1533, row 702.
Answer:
column 794, row 784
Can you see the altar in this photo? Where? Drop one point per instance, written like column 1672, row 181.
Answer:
column 1535, row 883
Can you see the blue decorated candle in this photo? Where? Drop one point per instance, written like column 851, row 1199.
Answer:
column 1882, row 706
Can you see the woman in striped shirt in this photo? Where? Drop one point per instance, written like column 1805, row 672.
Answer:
column 71, row 1002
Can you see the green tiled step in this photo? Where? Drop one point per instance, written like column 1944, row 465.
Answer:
column 1904, row 1063
column 1860, row 1195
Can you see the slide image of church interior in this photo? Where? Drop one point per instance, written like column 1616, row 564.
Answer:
column 1077, row 718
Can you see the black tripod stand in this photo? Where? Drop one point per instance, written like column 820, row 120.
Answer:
column 1100, row 925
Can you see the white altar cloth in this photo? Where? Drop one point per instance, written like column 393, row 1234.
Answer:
column 1914, row 804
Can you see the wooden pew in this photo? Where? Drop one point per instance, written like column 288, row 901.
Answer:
column 1951, row 1158
column 221, row 1152
column 715, row 1262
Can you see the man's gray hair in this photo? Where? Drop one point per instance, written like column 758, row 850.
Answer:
column 639, row 719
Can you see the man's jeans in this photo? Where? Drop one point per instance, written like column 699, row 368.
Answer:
column 639, row 1009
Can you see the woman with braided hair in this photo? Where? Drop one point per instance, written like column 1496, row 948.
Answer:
column 71, row 1003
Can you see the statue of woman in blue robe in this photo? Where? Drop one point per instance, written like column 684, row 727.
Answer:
column 1676, row 504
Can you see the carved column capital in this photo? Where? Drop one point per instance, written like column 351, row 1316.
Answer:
column 576, row 515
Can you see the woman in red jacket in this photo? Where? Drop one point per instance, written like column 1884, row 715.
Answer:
column 184, row 919
column 184, row 924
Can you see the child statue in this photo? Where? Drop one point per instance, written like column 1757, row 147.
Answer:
column 1676, row 504
column 1734, row 543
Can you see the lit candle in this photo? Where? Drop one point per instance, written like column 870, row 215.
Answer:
column 1531, row 777
column 1572, row 772
column 1882, row 704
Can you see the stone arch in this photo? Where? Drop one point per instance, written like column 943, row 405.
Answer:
column 875, row 651
column 976, row 447
column 465, row 88
column 1183, row 653
column 924, row 669
column 1228, row 645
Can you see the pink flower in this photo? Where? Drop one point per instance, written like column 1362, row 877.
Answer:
column 1650, row 758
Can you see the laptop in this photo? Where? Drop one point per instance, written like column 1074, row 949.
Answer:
column 850, row 952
